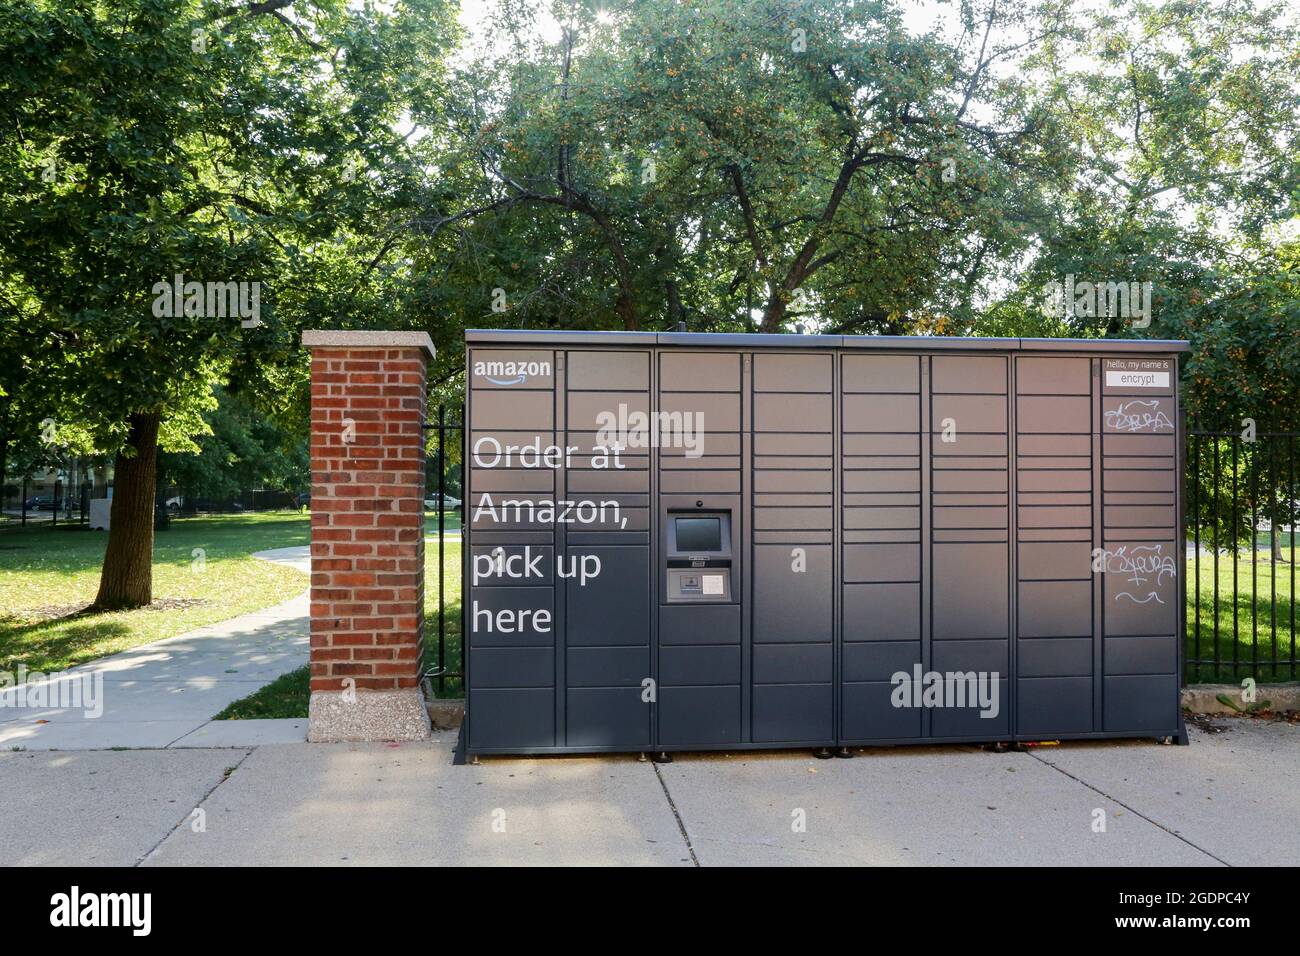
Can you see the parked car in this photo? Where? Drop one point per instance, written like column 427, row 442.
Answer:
column 452, row 504
column 40, row 503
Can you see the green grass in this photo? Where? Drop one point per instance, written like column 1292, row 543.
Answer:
column 1254, row 626
column 451, row 620
column 48, row 577
column 286, row 696
column 450, row 521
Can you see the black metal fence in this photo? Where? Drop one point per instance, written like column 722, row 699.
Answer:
column 28, row 504
column 179, row 503
column 24, row 503
column 443, row 657
column 1243, row 507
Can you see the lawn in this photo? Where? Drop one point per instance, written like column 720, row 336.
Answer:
column 203, row 572
column 451, row 619
column 286, row 696
column 450, row 521
column 1255, row 624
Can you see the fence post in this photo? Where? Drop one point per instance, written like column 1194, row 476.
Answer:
column 442, row 532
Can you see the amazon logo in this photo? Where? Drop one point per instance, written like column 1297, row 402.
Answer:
column 511, row 373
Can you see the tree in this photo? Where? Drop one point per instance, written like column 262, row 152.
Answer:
column 748, row 165
column 241, row 147
column 1185, row 123
column 243, row 448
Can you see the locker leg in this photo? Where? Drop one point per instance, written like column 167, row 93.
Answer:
column 844, row 753
column 641, row 757
column 822, row 753
column 663, row 757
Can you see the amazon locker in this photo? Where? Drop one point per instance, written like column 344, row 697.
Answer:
column 691, row 541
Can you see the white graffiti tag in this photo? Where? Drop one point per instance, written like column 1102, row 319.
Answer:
column 1125, row 418
column 1140, row 565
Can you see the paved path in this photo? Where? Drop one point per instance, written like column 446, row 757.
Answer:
column 164, row 694
column 1231, row 798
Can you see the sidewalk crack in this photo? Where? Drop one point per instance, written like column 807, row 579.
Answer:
column 226, row 775
column 1132, row 810
column 681, row 825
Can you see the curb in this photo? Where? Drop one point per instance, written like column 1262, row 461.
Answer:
column 1203, row 698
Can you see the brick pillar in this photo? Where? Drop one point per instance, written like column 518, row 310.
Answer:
column 367, row 534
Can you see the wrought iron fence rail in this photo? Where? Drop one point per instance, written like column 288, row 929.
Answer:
column 441, row 672
column 1232, row 464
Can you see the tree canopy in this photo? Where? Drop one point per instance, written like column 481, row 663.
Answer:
column 769, row 165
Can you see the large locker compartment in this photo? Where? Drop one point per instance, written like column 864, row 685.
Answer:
column 719, row 542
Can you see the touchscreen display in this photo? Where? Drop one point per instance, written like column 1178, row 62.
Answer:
column 699, row 534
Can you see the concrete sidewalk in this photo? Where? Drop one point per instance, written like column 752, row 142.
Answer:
column 165, row 694
column 1231, row 798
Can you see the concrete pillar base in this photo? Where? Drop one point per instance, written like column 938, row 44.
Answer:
column 335, row 716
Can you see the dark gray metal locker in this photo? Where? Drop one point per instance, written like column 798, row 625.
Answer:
column 969, row 535
column 606, row 638
column 1055, row 631
column 509, row 655
column 1143, row 549
column 881, row 456
column 871, row 540
column 700, row 646
column 792, row 555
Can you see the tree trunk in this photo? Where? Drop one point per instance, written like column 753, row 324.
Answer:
column 774, row 314
column 127, row 577
column 6, row 404
column 675, row 314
